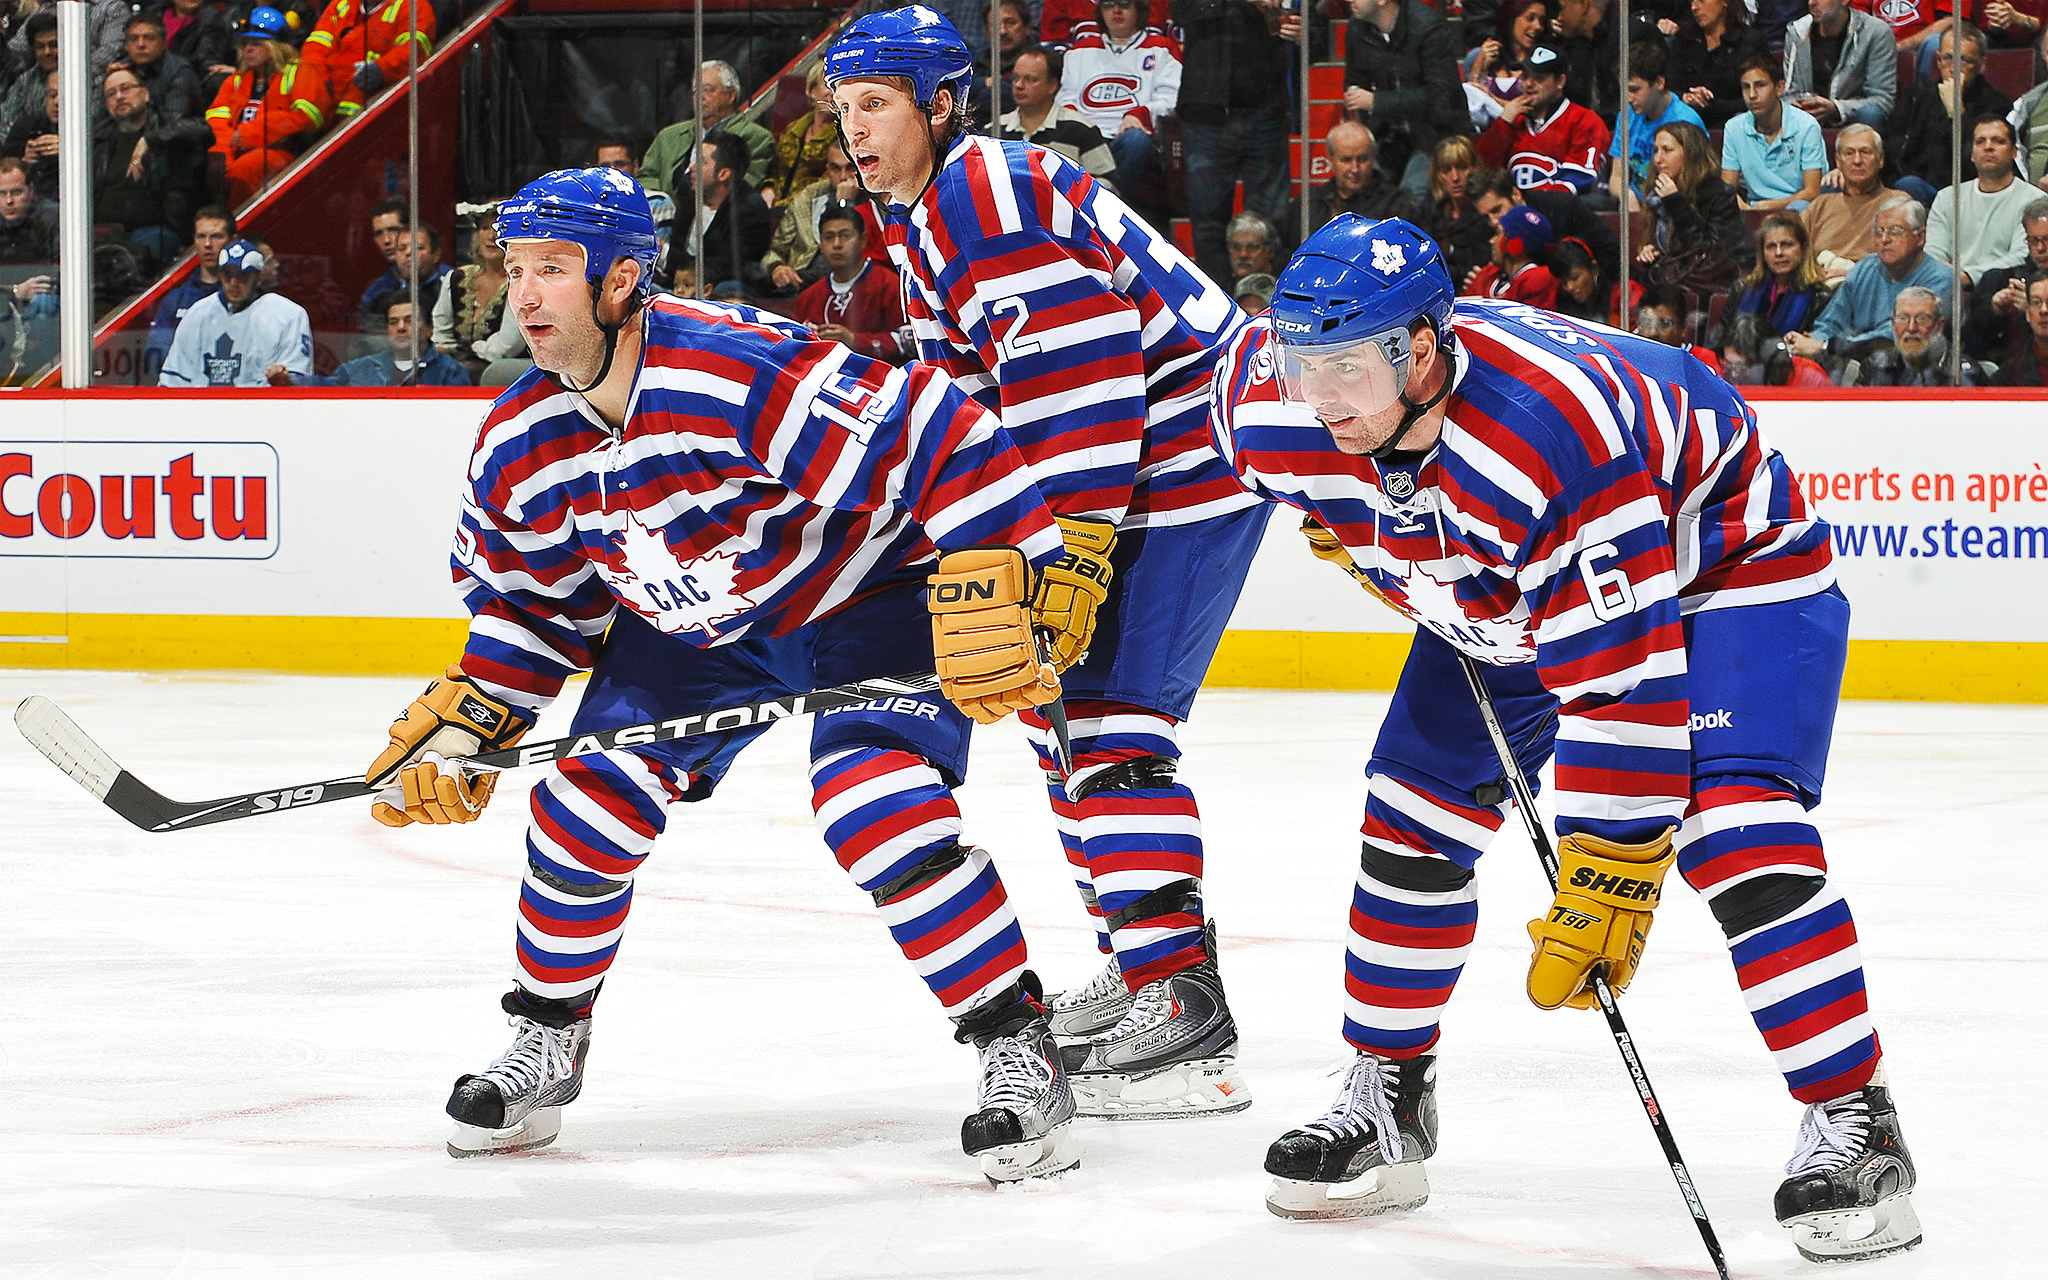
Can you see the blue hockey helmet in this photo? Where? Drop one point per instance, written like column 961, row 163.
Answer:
column 916, row 43
column 1346, row 309
column 602, row 210
column 265, row 23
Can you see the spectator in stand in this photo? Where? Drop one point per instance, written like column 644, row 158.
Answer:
column 2027, row 366
column 359, row 46
column 1751, row 355
column 1015, row 30
column 1061, row 22
column 486, row 331
column 1997, row 325
column 1850, row 55
column 2013, row 24
column 1519, row 26
column 213, row 229
column 1517, row 272
column 1785, row 289
column 1991, row 207
column 1453, row 218
column 388, row 220
column 1256, row 247
column 1586, row 287
column 1918, row 355
column 1234, row 114
column 232, row 338
column 106, row 34
column 139, row 159
column 1124, row 79
column 1401, row 81
column 268, row 111
column 2029, row 116
column 1838, row 222
column 199, row 33
column 1708, row 55
column 1917, row 136
column 1355, row 185
column 1861, row 311
column 172, row 82
column 1774, row 154
column 1038, row 119
column 970, row 18
column 1651, row 106
column 800, row 151
column 619, row 153
column 1662, row 316
column 1547, row 141
column 401, row 363
column 1254, row 294
column 1494, row 193
column 1692, row 232
column 793, row 261
column 733, row 225
column 667, row 161
column 23, row 97
column 28, row 238
column 859, row 303
column 424, row 244
column 1586, row 39
column 34, row 137
column 1912, row 22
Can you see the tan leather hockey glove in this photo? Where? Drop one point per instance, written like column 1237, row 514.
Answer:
column 452, row 718
column 1071, row 591
column 1325, row 546
column 1605, row 894
column 987, row 658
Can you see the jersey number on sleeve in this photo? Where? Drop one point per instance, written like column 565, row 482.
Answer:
column 1012, row 343
column 1607, row 590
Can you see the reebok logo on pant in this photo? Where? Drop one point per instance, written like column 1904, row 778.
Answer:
column 1712, row 720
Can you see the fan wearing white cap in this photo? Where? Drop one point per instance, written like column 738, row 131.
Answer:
column 235, row 337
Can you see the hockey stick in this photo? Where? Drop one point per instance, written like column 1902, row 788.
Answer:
column 1525, row 804
column 58, row 737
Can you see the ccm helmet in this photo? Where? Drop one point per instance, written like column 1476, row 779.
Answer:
column 605, row 213
column 916, row 43
column 1345, row 313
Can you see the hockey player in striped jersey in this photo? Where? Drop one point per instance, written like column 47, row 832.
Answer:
column 1597, row 520
column 702, row 506
column 1050, row 301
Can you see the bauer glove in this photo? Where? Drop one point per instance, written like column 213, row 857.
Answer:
column 1325, row 546
column 1605, row 894
column 986, row 656
column 452, row 718
column 1072, row 590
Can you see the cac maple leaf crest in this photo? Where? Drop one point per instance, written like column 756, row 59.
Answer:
column 675, row 595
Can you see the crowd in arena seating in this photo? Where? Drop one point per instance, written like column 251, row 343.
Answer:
column 1786, row 190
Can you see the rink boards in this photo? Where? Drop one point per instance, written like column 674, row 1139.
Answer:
column 309, row 531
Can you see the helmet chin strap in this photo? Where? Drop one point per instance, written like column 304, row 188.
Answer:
column 1413, row 415
column 611, row 346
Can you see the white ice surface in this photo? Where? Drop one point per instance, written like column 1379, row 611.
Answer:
column 225, row 1051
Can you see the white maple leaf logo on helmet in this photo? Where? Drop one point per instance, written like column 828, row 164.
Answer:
column 1387, row 258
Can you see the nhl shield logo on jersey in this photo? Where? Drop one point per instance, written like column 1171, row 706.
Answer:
column 675, row 595
column 1388, row 258
column 1400, row 484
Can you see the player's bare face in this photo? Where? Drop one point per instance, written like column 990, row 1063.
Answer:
column 551, row 300
column 889, row 139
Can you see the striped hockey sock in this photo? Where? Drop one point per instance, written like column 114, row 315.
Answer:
column 1747, row 846
column 595, row 818
column 894, row 827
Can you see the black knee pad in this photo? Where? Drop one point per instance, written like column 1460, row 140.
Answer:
column 1417, row 875
column 1176, row 897
column 1755, row 903
column 917, row 877
column 1139, row 773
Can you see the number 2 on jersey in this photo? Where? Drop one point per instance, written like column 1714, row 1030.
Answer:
column 1011, row 343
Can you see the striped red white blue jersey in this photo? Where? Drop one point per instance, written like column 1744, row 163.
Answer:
column 1051, row 302
column 1588, row 491
column 762, row 479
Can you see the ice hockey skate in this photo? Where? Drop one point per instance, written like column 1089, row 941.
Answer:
column 515, row 1104
column 1850, row 1190
column 1023, row 1122
column 1383, row 1122
column 1174, row 1054
column 1089, row 1012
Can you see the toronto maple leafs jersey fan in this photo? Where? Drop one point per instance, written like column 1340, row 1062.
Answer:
column 216, row 346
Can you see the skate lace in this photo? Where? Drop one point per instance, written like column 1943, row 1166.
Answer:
column 1364, row 1105
column 1152, row 1006
column 539, row 1056
column 1012, row 1076
column 1111, row 979
column 1832, row 1135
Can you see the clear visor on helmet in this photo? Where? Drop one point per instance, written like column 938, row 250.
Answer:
column 1360, row 379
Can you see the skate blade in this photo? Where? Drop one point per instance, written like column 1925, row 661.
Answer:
column 1848, row 1235
column 536, row 1131
column 1058, row 1151
column 1203, row 1087
column 1399, row 1186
